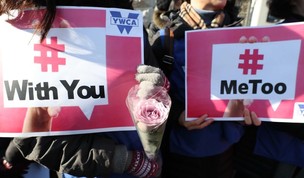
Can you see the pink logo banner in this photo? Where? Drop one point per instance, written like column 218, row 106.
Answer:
column 266, row 76
column 84, row 68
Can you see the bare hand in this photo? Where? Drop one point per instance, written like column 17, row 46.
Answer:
column 198, row 123
column 253, row 39
column 39, row 119
column 238, row 108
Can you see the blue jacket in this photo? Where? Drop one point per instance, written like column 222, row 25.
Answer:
column 212, row 140
column 278, row 145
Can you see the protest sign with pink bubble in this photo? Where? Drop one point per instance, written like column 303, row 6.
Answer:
column 85, row 66
column 266, row 75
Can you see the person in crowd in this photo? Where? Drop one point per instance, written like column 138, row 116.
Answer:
column 113, row 154
column 160, row 18
column 200, row 148
column 277, row 149
column 146, row 7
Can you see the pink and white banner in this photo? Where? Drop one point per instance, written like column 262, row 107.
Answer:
column 85, row 66
column 268, row 75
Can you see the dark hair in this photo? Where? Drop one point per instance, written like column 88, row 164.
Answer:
column 280, row 8
column 43, row 28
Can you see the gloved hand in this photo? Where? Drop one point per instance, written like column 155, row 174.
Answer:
column 150, row 77
column 13, row 164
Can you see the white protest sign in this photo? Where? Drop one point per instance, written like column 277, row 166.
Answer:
column 89, row 55
column 261, row 68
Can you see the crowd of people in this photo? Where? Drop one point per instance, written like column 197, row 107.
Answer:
column 201, row 148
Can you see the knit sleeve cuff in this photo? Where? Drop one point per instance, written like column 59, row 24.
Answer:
column 120, row 158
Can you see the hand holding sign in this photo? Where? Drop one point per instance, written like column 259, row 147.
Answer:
column 236, row 108
column 253, row 39
column 78, row 66
column 268, row 73
column 198, row 123
column 39, row 119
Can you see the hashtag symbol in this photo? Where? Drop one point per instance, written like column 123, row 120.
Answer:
column 49, row 55
column 251, row 61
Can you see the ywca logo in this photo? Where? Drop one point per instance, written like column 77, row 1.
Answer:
column 301, row 109
column 124, row 23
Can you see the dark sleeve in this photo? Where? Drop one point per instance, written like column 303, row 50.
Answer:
column 157, row 46
column 79, row 155
column 4, row 142
column 294, row 129
column 13, row 155
column 149, row 57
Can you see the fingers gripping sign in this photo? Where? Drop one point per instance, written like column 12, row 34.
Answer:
column 237, row 108
column 198, row 123
column 39, row 119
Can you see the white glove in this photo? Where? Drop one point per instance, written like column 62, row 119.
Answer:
column 149, row 78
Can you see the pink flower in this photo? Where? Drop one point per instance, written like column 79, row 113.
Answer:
column 151, row 113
